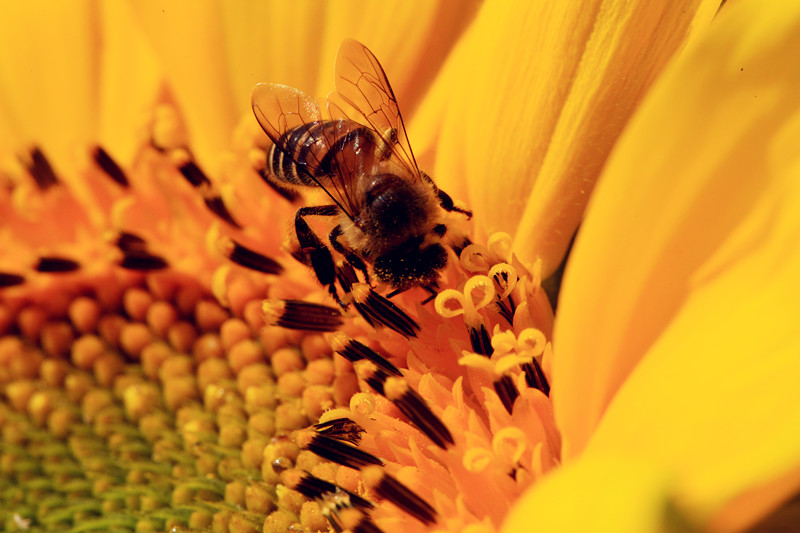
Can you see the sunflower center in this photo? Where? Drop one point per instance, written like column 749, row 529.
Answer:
column 165, row 364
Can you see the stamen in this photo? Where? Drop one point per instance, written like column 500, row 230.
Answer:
column 373, row 376
column 56, row 265
column 467, row 306
column 505, row 280
column 193, row 174
column 129, row 242
column 535, row 378
column 342, row 429
column 353, row 351
column 335, row 451
column 387, row 487
column 134, row 252
column 477, row 459
column 506, row 391
column 296, row 314
column 244, row 256
column 510, row 442
column 478, row 258
column 109, row 166
column 40, row 168
column 143, row 261
column 8, row 279
column 198, row 179
column 315, row 488
column 413, row 406
column 480, row 340
column 499, row 245
column 377, row 309
column 218, row 207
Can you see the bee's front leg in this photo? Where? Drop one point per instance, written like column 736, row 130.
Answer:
column 312, row 246
column 348, row 254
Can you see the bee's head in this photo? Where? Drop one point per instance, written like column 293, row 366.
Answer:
column 411, row 265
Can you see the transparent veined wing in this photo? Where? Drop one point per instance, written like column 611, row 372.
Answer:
column 362, row 83
column 320, row 145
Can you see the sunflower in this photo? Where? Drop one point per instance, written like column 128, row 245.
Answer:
column 165, row 363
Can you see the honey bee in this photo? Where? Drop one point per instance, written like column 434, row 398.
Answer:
column 390, row 214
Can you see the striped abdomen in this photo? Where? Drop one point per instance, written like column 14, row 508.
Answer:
column 314, row 149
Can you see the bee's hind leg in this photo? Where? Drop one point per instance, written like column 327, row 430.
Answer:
column 312, row 247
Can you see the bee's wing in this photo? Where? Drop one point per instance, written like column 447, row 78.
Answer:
column 280, row 109
column 362, row 83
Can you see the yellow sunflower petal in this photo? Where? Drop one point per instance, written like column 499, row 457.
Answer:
column 48, row 75
column 687, row 267
column 187, row 37
column 411, row 39
column 216, row 52
column 130, row 78
column 599, row 494
column 527, row 126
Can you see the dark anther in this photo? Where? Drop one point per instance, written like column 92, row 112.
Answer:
column 355, row 351
column 141, row 260
column 377, row 309
column 193, row 174
column 376, row 381
column 130, row 242
column 313, row 487
column 41, row 170
column 56, row 264
column 413, row 406
column 480, row 340
column 296, row 314
column 506, row 391
column 535, row 378
column 404, row 498
column 218, row 207
column 366, row 526
column 340, row 452
column 109, row 166
column 241, row 255
column 342, row 429
column 9, row 280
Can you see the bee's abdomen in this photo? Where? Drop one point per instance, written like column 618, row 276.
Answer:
column 311, row 150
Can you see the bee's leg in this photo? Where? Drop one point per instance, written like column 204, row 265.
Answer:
column 312, row 246
column 444, row 199
column 430, row 289
column 348, row 254
column 447, row 204
column 396, row 292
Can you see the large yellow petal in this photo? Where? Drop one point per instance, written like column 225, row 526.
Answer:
column 534, row 98
column 215, row 52
column 48, row 75
column 130, row 79
column 72, row 75
column 608, row 493
column 677, row 325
